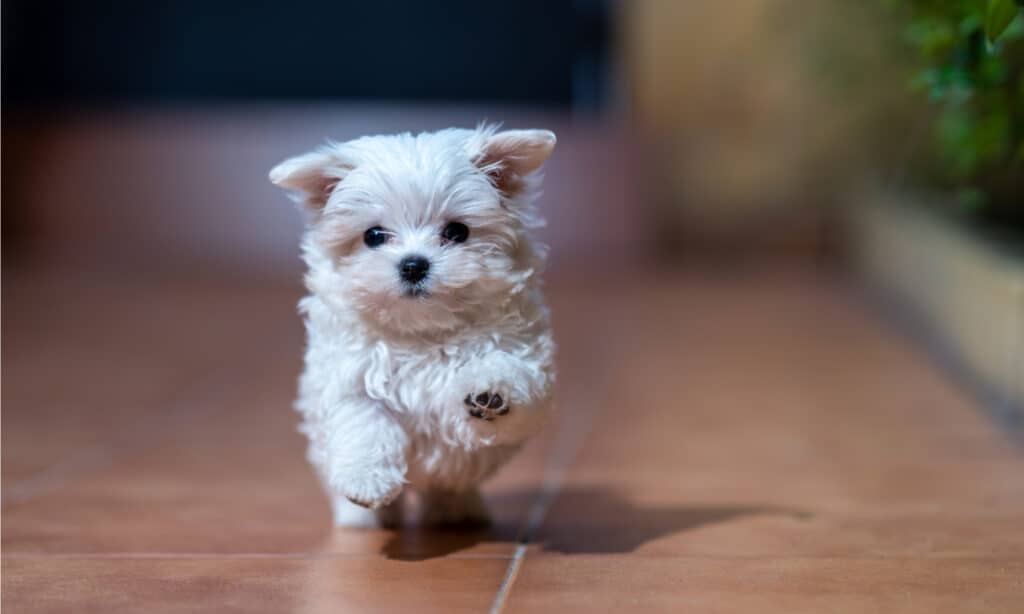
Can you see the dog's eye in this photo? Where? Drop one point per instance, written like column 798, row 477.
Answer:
column 376, row 236
column 455, row 232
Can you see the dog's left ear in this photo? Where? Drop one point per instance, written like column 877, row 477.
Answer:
column 311, row 177
column 511, row 155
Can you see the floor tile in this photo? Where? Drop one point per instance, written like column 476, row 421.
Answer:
column 780, row 453
column 111, row 365
column 724, row 443
column 620, row 583
column 306, row 585
column 725, row 434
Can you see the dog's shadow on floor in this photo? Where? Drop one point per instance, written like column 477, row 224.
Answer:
column 579, row 521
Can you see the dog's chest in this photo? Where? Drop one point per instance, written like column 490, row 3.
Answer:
column 418, row 380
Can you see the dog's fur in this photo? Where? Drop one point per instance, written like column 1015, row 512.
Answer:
column 392, row 370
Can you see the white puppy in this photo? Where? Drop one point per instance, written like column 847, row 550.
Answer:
column 430, row 356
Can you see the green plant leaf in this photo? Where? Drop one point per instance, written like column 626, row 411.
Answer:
column 998, row 17
column 971, row 198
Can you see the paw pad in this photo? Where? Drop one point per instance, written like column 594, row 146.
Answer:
column 486, row 405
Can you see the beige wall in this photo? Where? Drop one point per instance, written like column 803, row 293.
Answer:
column 748, row 144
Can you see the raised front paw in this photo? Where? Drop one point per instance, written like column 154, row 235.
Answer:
column 486, row 405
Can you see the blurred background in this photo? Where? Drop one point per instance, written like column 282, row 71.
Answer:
column 685, row 128
column 708, row 129
column 877, row 141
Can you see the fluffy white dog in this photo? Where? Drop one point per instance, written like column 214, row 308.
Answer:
column 430, row 355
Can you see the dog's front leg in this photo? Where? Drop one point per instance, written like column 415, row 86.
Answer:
column 506, row 397
column 365, row 453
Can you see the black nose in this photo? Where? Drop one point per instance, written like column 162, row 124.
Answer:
column 413, row 268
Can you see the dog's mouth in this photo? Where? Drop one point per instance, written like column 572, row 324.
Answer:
column 416, row 292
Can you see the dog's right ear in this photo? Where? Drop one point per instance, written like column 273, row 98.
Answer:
column 310, row 178
column 511, row 155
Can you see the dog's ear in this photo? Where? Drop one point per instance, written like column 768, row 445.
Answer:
column 310, row 177
column 511, row 155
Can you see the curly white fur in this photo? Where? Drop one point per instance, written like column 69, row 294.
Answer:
column 389, row 366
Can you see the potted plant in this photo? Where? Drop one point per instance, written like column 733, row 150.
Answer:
column 944, row 234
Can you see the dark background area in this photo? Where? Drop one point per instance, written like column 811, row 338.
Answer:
column 66, row 53
column 148, row 127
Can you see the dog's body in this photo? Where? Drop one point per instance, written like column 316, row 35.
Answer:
column 430, row 355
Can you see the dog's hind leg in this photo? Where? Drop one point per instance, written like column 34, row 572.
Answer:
column 352, row 516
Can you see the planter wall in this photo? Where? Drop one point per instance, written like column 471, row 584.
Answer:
column 961, row 290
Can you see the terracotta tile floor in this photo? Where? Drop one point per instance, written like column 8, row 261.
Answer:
column 745, row 443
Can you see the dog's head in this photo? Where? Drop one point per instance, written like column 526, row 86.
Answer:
column 421, row 233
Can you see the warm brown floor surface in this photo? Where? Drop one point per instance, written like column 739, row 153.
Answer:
column 744, row 444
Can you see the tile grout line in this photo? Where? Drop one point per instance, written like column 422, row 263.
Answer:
column 557, row 468
column 563, row 452
column 510, row 577
column 171, row 556
column 134, row 556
